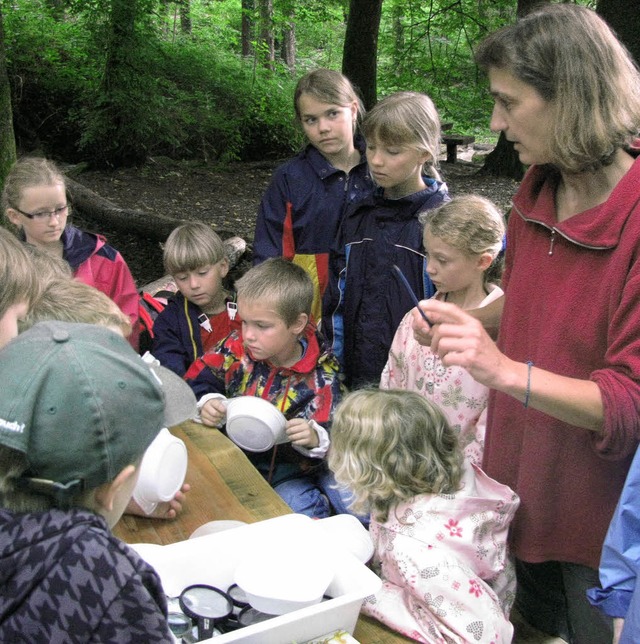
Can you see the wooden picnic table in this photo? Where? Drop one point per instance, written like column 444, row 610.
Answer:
column 225, row 485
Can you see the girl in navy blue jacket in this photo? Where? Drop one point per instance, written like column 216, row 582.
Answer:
column 302, row 208
column 365, row 302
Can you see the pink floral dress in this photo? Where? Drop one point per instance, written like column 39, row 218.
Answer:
column 463, row 400
column 443, row 560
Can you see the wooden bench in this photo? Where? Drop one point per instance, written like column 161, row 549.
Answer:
column 452, row 141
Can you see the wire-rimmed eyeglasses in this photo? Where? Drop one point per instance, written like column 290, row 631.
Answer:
column 46, row 214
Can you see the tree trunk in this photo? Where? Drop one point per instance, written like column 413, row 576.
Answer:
column 504, row 160
column 92, row 206
column 248, row 8
column 361, row 47
column 185, row 17
column 267, row 42
column 116, row 124
column 289, row 41
column 624, row 18
column 7, row 139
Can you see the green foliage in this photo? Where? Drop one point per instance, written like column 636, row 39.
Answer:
column 235, row 112
column 428, row 47
column 165, row 96
column 48, row 66
column 114, row 81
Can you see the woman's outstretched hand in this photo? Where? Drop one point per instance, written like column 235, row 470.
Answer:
column 460, row 339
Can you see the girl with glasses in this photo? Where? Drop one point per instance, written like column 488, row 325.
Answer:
column 34, row 200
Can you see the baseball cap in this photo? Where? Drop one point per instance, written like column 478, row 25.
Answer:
column 81, row 405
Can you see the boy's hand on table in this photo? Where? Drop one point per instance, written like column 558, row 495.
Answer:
column 301, row 433
column 166, row 510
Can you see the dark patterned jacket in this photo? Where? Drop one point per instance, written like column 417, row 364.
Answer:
column 65, row 578
column 364, row 303
column 179, row 338
column 309, row 389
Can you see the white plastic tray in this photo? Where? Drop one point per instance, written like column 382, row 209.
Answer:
column 212, row 559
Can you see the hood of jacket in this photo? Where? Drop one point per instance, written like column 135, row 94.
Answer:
column 406, row 207
column 78, row 245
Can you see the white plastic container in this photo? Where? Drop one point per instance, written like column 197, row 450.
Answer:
column 213, row 559
column 162, row 471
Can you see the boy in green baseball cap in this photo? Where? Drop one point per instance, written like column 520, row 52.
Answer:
column 78, row 409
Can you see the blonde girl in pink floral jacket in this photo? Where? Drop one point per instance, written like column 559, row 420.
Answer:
column 463, row 239
column 439, row 524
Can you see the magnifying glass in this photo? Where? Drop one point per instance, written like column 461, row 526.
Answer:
column 238, row 596
column 240, row 601
column 206, row 605
column 179, row 624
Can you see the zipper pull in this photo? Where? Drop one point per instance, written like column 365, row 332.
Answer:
column 553, row 239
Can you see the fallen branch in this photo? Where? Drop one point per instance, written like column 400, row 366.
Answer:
column 143, row 224
column 92, row 206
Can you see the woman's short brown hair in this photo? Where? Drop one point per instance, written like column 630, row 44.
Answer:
column 570, row 56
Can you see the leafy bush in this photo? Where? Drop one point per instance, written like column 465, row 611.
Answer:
column 49, row 70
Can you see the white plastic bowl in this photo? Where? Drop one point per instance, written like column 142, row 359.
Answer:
column 162, row 471
column 254, row 424
column 345, row 531
column 282, row 581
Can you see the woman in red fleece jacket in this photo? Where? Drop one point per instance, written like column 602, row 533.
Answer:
column 563, row 419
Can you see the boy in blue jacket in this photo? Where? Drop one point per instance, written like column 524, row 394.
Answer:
column 203, row 312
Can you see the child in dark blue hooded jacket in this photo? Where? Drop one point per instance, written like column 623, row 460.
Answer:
column 364, row 302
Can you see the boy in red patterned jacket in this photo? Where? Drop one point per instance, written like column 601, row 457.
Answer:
column 278, row 356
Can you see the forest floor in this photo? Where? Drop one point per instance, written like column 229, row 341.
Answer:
column 226, row 197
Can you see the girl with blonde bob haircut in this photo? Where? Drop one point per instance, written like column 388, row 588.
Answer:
column 573, row 60
column 406, row 119
column 363, row 305
column 400, row 458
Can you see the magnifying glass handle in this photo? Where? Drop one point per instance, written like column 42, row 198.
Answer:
column 205, row 628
